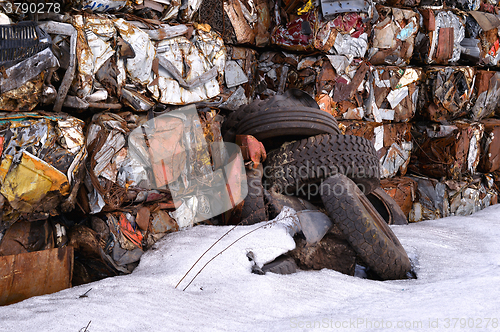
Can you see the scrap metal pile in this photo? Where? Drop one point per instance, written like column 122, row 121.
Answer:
column 114, row 115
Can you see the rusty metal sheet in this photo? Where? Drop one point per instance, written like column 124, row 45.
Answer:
column 251, row 149
column 444, row 50
column 35, row 273
column 403, row 190
column 243, row 29
column 24, row 98
column 27, row 236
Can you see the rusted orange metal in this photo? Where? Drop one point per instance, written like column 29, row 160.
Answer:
column 35, row 273
column 251, row 149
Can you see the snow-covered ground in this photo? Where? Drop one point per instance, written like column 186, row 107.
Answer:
column 457, row 260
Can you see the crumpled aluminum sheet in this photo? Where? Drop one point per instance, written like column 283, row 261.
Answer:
column 138, row 67
column 449, row 151
column 446, row 93
column 393, row 36
column 206, row 57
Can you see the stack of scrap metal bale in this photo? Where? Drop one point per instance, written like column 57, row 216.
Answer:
column 89, row 91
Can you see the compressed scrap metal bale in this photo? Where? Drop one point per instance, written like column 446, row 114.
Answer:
column 150, row 65
column 393, row 94
column 42, row 158
column 113, row 175
column 403, row 190
column 432, row 200
column 449, row 151
column 481, row 43
column 439, row 38
column 446, row 93
column 490, row 146
column 486, row 95
column 393, row 36
column 240, row 76
column 392, row 141
column 342, row 34
column 238, row 21
column 467, row 197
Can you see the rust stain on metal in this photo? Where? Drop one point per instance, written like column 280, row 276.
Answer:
column 36, row 273
column 445, row 45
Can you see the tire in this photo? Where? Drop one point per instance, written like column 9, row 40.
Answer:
column 386, row 206
column 291, row 99
column 311, row 160
column 286, row 121
column 364, row 228
column 254, row 207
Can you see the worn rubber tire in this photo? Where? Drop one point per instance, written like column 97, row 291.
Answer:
column 386, row 206
column 313, row 159
column 291, row 99
column 254, row 208
column 364, row 228
column 277, row 122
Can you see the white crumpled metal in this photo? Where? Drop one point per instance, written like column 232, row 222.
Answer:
column 139, row 67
